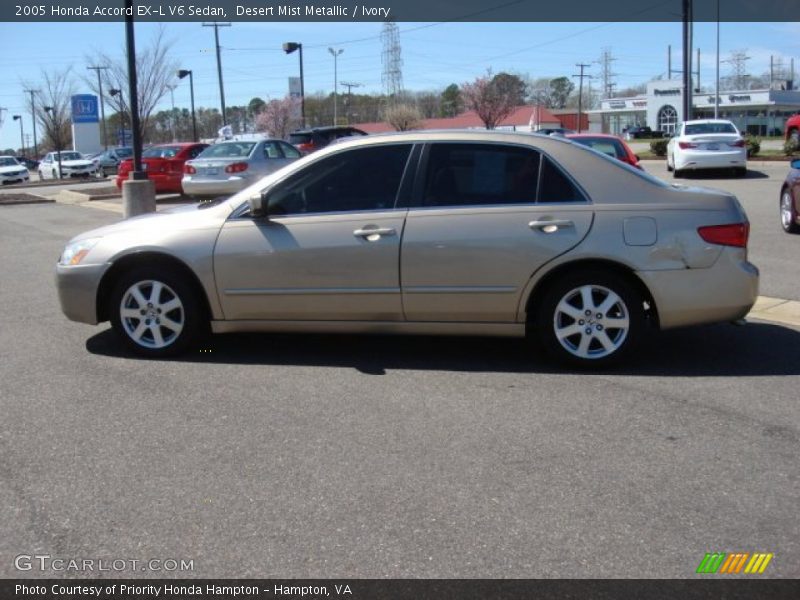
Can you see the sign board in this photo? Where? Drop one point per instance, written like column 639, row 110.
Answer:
column 84, row 109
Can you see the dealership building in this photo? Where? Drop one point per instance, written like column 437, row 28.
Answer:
column 759, row 112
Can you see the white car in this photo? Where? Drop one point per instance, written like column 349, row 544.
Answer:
column 72, row 165
column 707, row 144
column 12, row 171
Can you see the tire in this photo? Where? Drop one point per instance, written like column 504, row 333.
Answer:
column 788, row 213
column 54, row 174
column 136, row 303
column 678, row 174
column 669, row 167
column 561, row 323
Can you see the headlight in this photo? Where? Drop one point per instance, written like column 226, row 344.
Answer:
column 75, row 252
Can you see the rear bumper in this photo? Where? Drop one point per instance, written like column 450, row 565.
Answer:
column 213, row 187
column 725, row 291
column 711, row 160
column 77, row 291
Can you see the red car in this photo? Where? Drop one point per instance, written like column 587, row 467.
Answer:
column 790, row 200
column 793, row 128
column 163, row 165
column 607, row 144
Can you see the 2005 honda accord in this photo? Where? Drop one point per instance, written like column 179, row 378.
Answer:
column 479, row 233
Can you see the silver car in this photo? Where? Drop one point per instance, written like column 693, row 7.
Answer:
column 476, row 233
column 227, row 167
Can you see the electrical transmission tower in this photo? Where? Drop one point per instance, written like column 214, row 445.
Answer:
column 606, row 75
column 392, row 61
column 738, row 77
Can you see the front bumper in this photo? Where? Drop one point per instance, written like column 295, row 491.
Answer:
column 21, row 178
column 77, row 291
column 726, row 291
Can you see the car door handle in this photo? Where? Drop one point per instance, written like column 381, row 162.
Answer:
column 379, row 231
column 551, row 226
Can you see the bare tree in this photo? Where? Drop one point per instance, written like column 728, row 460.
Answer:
column 403, row 117
column 54, row 92
column 490, row 101
column 279, row 117
column 155, row 72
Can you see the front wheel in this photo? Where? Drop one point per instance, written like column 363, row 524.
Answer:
column 590, row 319
column 788, row 214
column 156, row 312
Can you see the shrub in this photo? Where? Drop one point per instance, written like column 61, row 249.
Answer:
column 791, row 147
column 753, row 145
column 659, row 147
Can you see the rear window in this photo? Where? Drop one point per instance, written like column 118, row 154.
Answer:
column 70, row 156
column 299, row 138
column 701, row 128
column 228, row 150
column 161, row 152
column 124, row 152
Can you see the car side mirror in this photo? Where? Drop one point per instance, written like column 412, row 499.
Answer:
column 259, row 205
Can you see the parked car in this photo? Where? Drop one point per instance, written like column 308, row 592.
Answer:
column 707, row 144
column 11, row 171
column 607, row 144
column 636, row 133
column 163, row 164
column 108, row 162
column 478, row 233
column 228, row 167
column 311, row 140
column 73, row 165
column 30, row 163
column 790, row 199
column 792, row 130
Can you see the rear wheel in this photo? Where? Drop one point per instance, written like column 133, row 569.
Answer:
column 590, row 319
column 156, row 312
column 788, row 213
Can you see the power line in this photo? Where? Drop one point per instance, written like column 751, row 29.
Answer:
column 392, row 61
column 33, row 118
column 581, row 77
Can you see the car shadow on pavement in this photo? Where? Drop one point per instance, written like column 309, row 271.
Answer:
column 712, row 174
column 756, row 349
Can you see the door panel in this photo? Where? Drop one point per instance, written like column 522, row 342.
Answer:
column 320, row 267
column 471, row 264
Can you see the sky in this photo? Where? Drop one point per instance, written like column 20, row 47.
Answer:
column 434, row 55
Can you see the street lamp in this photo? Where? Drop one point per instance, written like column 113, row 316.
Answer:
column 21, row 134
column 335, row 54
column 57, row 127
column 117, row 92
column 290, row 47
column 181, row 74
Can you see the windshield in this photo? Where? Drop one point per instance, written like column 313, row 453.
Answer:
column 299, row 138
column 124, row 152
column 228, row 150
column 701, row 128
column 69, row 156
column 7, row 161
column 161, row 152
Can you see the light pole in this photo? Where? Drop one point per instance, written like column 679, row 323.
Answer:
column 102, row 104
column 116, row 92
column 57, row 127
column 716, row 87
column 21, row 134
column 290, row 47
column 335, row 54
column 216, row 27
column 171, row 87
column 181, row 74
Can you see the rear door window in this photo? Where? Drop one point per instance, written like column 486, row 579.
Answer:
column 555, row 186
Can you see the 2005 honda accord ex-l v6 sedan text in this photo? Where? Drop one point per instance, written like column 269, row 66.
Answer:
column 478, row 233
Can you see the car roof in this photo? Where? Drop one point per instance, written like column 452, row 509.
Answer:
column 699, row 121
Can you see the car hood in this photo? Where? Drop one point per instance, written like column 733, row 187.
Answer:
column 188, row 217
column 14, row 169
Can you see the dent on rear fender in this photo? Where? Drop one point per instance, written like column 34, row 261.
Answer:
column 680, row 251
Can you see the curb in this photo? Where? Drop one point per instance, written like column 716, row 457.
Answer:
column 776, row 310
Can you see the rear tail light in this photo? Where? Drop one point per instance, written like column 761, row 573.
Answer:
column 738, row 144
column 686, row 145
column 236, row 167
column 305, row 148
column 735, row 234
column 189, row 169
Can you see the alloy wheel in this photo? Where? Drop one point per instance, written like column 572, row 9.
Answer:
column 591, row 322
column 152, row 314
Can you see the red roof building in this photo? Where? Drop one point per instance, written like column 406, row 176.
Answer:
column 524, row 118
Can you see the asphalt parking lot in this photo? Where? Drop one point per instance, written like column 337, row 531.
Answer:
column 339, row 456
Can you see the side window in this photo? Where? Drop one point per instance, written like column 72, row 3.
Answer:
column 354, row 180
column 271, row 150
column 193, row 152
column 289, row 151
column 480, row 174
column 556, row 187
